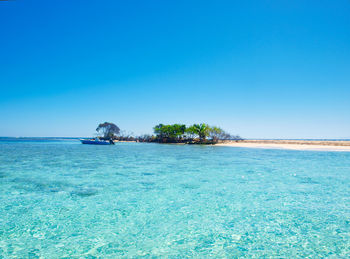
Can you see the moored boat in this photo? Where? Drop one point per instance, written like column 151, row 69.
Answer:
column 96, row 141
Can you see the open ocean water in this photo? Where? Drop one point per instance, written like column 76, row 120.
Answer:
column 64, row 199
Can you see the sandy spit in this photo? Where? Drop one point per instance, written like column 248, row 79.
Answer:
column 291, row 144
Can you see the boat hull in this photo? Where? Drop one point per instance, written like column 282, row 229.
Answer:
column 94, row 142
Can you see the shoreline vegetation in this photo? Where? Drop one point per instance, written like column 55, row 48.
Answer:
column 171, row 133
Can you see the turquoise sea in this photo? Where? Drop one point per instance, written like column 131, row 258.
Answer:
column 62, row 199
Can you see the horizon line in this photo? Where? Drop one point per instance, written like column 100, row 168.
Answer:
column 75, row 137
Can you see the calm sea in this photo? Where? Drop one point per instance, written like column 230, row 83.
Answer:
column 64, row 199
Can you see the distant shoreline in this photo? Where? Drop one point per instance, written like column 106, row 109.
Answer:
column 312, row 145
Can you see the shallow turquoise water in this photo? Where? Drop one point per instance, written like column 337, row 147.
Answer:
column 63, row 199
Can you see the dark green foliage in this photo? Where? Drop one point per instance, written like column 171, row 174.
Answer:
column 170, row 133
column 202, row 130
column 108, row 130
column 196, row 133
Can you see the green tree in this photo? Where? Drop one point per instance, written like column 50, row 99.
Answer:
column 169, row 133
column 191, row 132
column 215, row 133
column 108, row 130
column 178, row 131
column 159, row 130
column 202, row 130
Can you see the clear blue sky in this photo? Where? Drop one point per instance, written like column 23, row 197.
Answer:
column 261, row 69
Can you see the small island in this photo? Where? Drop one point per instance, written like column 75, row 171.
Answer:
column 170, row 133
column 204, row 134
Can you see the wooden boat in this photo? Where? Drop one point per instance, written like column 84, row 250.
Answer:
column 96, row 141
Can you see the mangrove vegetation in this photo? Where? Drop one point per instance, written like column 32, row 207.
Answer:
column 193, row 134
column 170, row 133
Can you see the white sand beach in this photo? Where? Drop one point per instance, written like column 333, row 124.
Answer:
column 294, row 145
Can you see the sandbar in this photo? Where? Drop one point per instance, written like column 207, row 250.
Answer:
column 312, row 145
